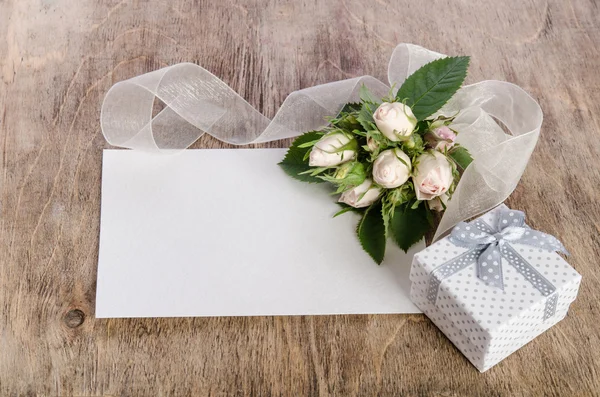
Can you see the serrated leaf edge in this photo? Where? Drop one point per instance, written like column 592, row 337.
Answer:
column 468, row 59
column 358, row 229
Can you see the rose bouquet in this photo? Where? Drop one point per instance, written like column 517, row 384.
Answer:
column 394, row 159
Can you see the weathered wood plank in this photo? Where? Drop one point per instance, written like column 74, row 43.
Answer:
column 57, row 60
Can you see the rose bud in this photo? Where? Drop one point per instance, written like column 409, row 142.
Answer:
column 444, row 133
column 441, row 138
column 372, row 144
column 391, row 168
column 414, row 140
column 433, row 175
column 350, row 174
column 333, row 149
column 395, row 120
column 363, row 195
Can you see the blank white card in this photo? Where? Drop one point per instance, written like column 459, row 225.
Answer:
column 228, row 233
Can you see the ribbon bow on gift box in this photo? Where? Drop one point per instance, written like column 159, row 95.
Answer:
column 487, row 246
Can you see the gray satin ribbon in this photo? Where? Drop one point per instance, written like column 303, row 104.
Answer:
column 487, row 246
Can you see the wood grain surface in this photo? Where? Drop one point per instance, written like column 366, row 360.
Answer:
column 58, row 58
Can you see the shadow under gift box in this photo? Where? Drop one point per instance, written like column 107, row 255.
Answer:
column 486, row 323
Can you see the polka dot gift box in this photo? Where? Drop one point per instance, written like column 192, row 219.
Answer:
column 493, row 285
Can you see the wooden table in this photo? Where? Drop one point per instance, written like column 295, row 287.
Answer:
column 57, row 61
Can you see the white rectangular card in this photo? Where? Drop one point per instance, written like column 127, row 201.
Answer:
column 228, row 233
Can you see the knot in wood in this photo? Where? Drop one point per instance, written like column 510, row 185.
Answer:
column 74, row 318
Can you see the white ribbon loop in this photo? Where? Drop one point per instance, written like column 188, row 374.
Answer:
column 198, row 102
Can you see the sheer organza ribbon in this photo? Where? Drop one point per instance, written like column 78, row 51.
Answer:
column 198, row 102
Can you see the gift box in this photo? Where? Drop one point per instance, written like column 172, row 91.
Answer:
column 493, row 285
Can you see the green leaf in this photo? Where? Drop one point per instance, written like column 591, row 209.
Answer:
column 422, row 126
column 387, row 209
column 314, row 171
column 347, row 208
column 346, row 119
column 343, row 211
column 350, row 107
column 408, row 226
column 371, row 233
column 295, row 162
column 308, row 144
column 431, row 86
column 461, row 156
column 359, row 133
column 367, row 96
column 365, row 117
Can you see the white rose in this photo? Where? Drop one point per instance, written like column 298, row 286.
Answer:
column 326, row 152
column 435, row 204
column 367, row 190
column 395, row 120
column 433, row 175
column 392, row 168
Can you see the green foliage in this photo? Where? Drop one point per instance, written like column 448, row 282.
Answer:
column 347, row 119
column 380, row 143
column 365, row 117
column 346, row 176
column 461, row 156
column 408, row 226
column 371, row 233
column 295, row 162
column 393, row 198
column 367, row 96
column 348, row 208
column 431, row 86
column 350, row 108
column 422, row 126
column 414, row 146
column 343, row 211
column 315, row 171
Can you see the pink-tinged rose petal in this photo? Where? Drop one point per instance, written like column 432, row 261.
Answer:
column 445, row 133
column 433, row 175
